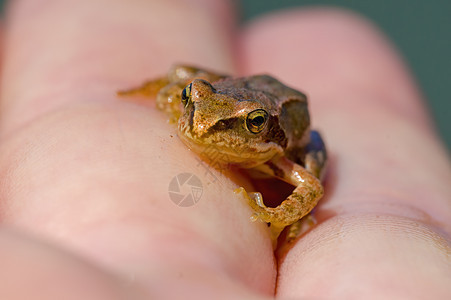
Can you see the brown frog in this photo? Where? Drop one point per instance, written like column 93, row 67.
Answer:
column 257, row 122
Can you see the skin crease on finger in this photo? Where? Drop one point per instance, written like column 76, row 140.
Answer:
column 90, row 172
column 384, row 224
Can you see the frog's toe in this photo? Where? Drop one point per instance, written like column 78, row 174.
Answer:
column 254, row 197
column 255, row 201
column 257, row 198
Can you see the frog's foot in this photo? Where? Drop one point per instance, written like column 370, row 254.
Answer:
column 148, row 89
column 300, row 227
column 253, row 199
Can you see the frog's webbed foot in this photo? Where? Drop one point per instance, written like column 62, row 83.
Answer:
column 316, row 155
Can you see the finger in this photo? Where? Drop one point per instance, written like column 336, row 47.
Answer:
column 86, row 51
column 387, row 196
column 92, row 172
column 31, row 267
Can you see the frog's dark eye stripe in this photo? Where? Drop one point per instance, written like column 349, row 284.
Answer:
column 256, row 120
column 186, row 94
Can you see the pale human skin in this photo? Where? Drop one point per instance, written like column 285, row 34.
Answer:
column 84, row 175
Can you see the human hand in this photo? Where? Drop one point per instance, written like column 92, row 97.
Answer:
column 85, row 208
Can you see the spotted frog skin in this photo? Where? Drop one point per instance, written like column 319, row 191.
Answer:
column 256, row 122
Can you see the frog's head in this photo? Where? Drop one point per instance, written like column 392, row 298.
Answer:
column 229, row 123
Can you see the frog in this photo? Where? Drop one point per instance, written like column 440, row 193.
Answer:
column 257, row 123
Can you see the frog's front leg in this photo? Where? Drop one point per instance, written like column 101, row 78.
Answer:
column 256, row 198
column 302, row 200
column 315, row 163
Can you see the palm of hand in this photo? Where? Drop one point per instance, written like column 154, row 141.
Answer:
column 86, row 171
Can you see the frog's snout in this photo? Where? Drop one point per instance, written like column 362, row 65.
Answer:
column 200, row 89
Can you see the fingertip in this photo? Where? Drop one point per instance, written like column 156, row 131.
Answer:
column 367, row 253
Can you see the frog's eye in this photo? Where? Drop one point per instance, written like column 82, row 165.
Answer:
column 186, row 94
column 256, row 120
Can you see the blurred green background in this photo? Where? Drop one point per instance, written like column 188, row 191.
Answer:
column 420, row 29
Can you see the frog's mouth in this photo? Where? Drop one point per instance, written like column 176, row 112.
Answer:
column 226, row 150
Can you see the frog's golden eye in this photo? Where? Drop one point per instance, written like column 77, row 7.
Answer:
column 256, row 120
column 186, row 94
